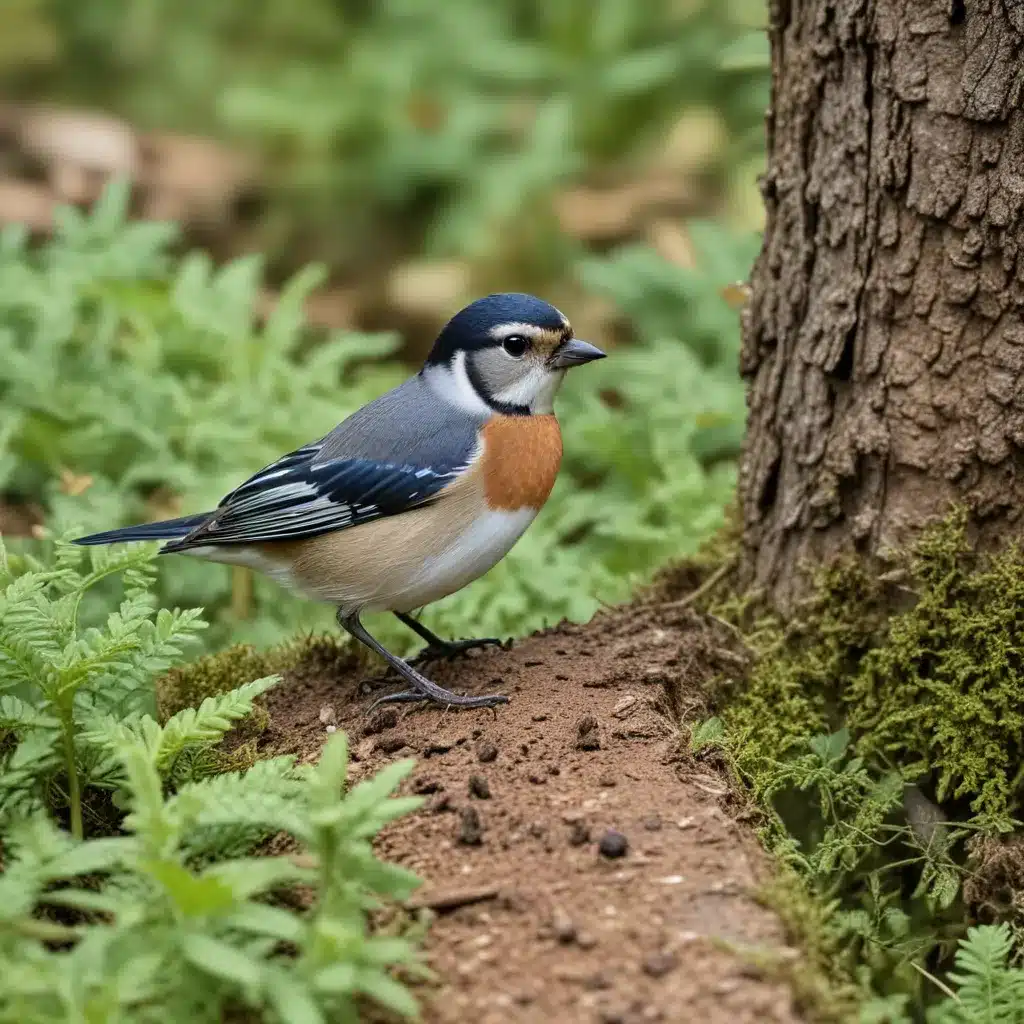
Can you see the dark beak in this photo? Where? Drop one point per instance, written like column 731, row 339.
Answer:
column 574, row 353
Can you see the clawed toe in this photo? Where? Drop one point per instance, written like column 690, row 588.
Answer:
column 453, row 648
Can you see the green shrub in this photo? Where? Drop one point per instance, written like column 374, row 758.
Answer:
column 159, row 914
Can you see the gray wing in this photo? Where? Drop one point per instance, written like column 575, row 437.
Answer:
column 394, row 454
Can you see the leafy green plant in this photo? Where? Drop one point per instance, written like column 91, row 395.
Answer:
column 160, row 913
column 127, row 928
column 58, row 680
column 988, row 990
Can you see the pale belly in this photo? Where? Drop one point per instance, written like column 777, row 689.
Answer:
column 396, row 564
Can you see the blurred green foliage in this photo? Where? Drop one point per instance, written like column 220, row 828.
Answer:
column 443, row 121
column 151, row 375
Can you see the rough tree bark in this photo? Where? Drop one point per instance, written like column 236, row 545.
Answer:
column 884, row 341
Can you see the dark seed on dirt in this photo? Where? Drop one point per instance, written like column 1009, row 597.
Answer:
column 471, row 829
column 424, row 787
column 479, row 787
column 652, row 823
column 553, row 769
column 390, row 744
column 538, row 780
column 524, row 749
column 613, row 844
column 438, row 747
column 476, row 734
column 532, row 664
column 486, row 753
column 659, row 964
column 588, row 734
column 561, row 677
column 540, row 718
column 537, row 830
column 381, row 720
column 608, row 780
column 579, row 834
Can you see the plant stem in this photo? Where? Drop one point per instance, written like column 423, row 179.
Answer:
column 74, row 785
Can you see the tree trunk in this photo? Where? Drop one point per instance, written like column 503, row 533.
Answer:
column 884, row 341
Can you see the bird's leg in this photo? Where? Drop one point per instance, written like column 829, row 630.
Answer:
column 438, row 648
column 423, row 687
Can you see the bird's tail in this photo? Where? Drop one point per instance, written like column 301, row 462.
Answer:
column 167, row 529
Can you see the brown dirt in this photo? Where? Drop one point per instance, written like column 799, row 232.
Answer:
column 534, row 922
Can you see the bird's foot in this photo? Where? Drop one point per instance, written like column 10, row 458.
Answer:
column 453, row 648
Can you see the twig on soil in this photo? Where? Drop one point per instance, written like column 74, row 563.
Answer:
column 452, row 899
column 708, row 585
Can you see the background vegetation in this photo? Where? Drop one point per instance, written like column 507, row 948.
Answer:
column 601, row 154
column 389, row 161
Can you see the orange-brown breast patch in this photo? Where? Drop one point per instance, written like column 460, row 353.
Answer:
column 520, row 460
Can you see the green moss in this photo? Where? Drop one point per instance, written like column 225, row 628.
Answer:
column 933, row 688
column 793, row 691
column 820, row 977
column 189, row 685
column 881, row 680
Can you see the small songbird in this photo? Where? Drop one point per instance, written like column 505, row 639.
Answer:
column 414, row 495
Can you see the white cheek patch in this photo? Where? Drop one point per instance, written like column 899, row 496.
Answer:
column 535, row 389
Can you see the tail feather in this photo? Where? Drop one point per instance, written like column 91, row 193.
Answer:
column 167, row 529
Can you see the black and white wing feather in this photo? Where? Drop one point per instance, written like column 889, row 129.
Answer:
column 298, row 497
column 393, row 455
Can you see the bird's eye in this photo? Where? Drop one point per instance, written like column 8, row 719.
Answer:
column 515, row 345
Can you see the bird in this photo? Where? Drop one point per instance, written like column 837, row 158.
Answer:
column 414, row 495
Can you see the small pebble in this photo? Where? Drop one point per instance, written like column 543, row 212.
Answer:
column 562, row 926
column 327, row 716
column 607, row 781
column 391, row 744
column 652, row 823
column 426, row 786
column 330, row 729
column 588, row 734
column 479, row 787
column 486, row 752
column 658, row 964
column 613, row 844
column 471, row 829
column 538, row 780
column 586, row 940
column 381, row 720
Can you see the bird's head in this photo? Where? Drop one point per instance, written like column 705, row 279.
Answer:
column 506, row 353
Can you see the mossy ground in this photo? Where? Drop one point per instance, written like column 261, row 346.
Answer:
column 879, row 732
